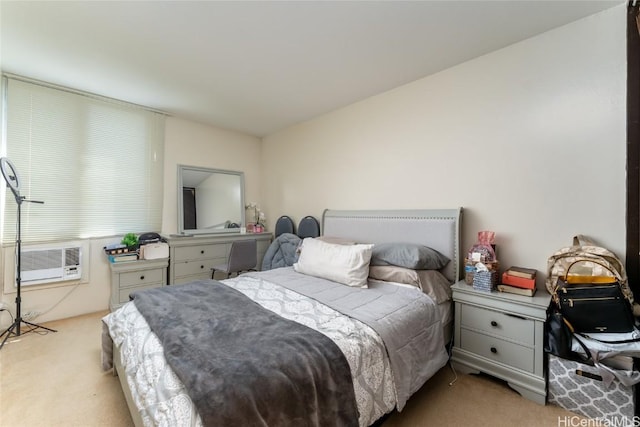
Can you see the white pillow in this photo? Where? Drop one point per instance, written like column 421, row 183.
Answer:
column 346, row 264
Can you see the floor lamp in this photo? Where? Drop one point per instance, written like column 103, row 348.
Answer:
column 13, row 182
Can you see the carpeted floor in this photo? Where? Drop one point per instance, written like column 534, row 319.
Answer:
column 55, row 380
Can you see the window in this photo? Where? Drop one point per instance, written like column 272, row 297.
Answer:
column 96, row 163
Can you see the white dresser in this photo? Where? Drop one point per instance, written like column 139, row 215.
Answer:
column 191, row 258
column 127, row 277
column 502, row 335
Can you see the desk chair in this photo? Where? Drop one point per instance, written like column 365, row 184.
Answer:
column 309, row 227
column 284, row 224
column 243, row 256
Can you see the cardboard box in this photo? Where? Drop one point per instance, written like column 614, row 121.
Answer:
column 154, row 251
column 580, row 388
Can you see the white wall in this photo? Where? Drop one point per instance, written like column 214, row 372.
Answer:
column 530, row 140
column 186, row 143
column 195, row 144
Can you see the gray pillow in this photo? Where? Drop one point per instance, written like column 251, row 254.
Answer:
column 408, row 255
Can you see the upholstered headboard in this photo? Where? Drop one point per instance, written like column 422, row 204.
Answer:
column 437, row 228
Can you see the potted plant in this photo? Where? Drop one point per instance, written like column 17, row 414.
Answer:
column 259, row 228
column 130, row 240
column 257, row 225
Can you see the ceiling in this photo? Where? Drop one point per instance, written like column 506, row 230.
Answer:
column 258, row 67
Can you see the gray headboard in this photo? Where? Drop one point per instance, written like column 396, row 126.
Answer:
column 437, row 228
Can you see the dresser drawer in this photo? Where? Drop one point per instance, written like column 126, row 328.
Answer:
column 141, row 277
column 188, row 279
column 124, row 293
column 198, row 252
column 498, row 350
column 190, row 268
column 493, row 322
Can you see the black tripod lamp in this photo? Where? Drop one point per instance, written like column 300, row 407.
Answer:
column 13, row 182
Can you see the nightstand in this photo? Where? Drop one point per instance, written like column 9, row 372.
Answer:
column 127, row 277
column 502, row 335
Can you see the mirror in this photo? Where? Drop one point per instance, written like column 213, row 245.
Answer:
column 210, row 200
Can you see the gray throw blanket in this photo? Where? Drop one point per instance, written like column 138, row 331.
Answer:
column 244, row 365
column 282, row 252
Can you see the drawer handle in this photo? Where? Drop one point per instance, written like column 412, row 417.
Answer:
column 141, row 277
column 494, row 323
column 202, row 266
column 494, row 350
column 202, row 251
column 516, row 316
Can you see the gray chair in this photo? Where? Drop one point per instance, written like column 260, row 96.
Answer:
column 284, row 224
column 243, row 256
column 309, row 227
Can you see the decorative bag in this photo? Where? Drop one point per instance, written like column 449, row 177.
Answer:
column 594, row 303
column 585, row 390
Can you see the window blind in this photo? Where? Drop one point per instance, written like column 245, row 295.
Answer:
column 97, row 164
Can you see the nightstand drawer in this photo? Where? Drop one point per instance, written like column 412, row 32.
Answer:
column 201, row 252
column 142, row 277
column 127, row 277
column 124, row 293
column 493, row 322
column 497, row 350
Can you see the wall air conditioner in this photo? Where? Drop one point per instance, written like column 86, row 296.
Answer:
column 48, row 265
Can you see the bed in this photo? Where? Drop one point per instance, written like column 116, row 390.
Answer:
column 362, row 345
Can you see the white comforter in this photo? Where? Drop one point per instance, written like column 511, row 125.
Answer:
column 162, row 399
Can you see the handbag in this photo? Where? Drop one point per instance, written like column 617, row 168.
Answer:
column 558, row 336
column 594, row 303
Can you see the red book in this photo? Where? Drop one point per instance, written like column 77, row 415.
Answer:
column 519, row 282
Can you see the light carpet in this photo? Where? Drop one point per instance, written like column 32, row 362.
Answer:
column 55, row 380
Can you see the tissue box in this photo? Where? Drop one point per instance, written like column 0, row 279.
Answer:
column 154, row 251
column 485, row 280
column 579, row 388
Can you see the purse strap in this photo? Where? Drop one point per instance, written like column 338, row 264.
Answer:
column 587, row 352
column 582, row 240
column 626, row 341
column 595, row 279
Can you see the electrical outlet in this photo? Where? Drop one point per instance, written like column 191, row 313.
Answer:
column 30, row 315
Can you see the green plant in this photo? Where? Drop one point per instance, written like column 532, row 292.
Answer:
column 130, row 239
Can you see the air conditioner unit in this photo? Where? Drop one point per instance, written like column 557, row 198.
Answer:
column 48, row 265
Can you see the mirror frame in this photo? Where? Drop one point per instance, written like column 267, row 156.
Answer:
column 180, row 185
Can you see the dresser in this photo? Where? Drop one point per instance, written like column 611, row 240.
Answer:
column 502, row 335
column 127, row 277
column 191, row 258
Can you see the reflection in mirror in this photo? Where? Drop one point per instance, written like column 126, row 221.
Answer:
column 210, row 200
